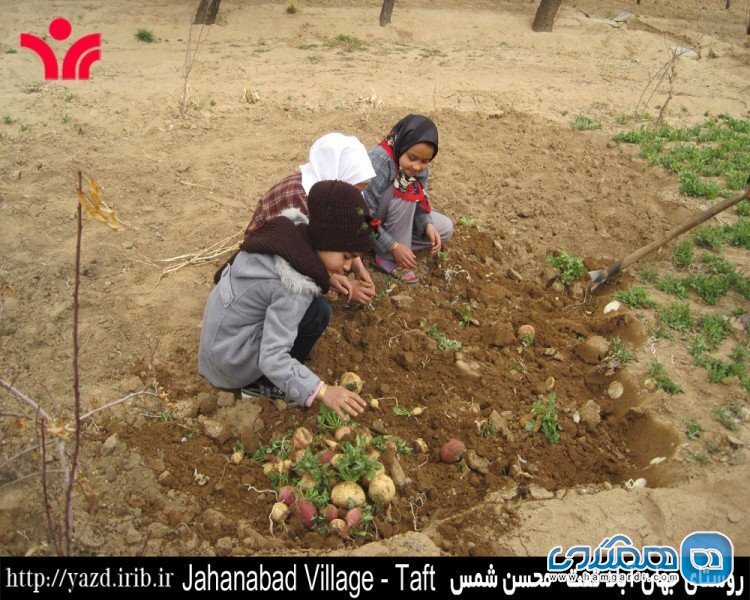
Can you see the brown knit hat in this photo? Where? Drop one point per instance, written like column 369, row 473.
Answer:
column 339, row 219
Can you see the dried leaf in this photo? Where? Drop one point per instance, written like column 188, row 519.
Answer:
column 95, row 208
column 58, row 429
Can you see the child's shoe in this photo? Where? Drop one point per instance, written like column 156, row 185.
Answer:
column 262, row 388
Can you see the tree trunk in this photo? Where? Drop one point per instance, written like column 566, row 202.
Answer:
column 385, row 12
column 207, row 12
column 545, row 15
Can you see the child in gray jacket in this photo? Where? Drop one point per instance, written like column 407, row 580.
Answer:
column 268, row 310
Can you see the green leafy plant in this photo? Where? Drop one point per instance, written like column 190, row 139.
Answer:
column 658, row 372
column 347, row 43
column 619, row 355
column 635, row 297
column 466, row 222
column 444, row 342
column 675, row 286
column 354, row 463
column 584, row 123
column 544, row 417
column 280, row 447
column 729, row 415
column 693, row 429
column 144, row 35
column 649, row 274
column 487, row 430
column 25, row 127
column 708, row 287
column 709, row 237
column 7, row 120
column 718, row 370
column 684, row 254
column 568, row 267
column 291, row 9
column 402, row 412
column 527, row 340
column 381, row 441
column 466, row 317
column 328, row 419
column 676, row 316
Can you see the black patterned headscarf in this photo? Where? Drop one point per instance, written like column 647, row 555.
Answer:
column 411, row 130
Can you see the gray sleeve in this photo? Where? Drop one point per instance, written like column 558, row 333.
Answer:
column 375, row 192
column 421, row 218
column 280, row 329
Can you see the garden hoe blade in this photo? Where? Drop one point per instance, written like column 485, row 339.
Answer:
column 599, row 277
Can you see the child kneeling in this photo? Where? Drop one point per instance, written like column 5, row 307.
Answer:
column 267, row 310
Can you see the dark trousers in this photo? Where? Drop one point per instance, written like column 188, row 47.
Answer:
column 311, row 327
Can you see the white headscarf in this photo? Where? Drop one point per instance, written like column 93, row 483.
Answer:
column 337, row 156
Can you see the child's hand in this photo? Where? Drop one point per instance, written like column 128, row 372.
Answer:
column 362, row 292
column 432, row 234
column 340, row 399
column 341, row 284
column 361, row 272
column 404, row 257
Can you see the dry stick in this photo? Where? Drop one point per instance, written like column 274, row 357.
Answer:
column 76, row 386
column 25, row 477
column 190, row 62
column 53, row 534
column 116, row 402
column 22, row 453
column 8, row 387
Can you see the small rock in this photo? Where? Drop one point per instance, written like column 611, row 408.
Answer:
column 158, row 530
column 407, row 360
column 16, row 175
column 477, row 463
column 578, row 291
column 623, row 17
column 734, row 442
column 686, row 52
column 226, row 399
column 514, row 275
column 549, row 275
column 537, row 492
column 128, row 245
column 133, row 384
column 224, row 546
column 132, row 536
column 557, row 287
column 280, row 404
column 156, row 464
column 379, row 426
column 591, row 413
column 469, row 369
column 501, row 335
column 421, row 445
column 593, row 350
column 526, row 212
column 505, row 495
column 207, row 403
column 217, row 431
column 213, row 519
column 112, row 445
column 167, row 479
column 186, row 409
column 402, row 301
column 735, row 516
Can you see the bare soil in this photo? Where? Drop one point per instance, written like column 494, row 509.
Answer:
column 503, row 99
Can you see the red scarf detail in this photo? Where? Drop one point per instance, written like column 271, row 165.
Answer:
column 413, row 192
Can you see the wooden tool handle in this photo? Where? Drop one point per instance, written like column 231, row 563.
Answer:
column 680, row 229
